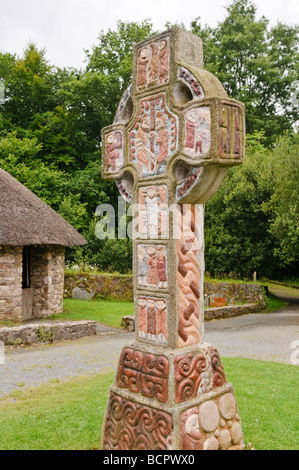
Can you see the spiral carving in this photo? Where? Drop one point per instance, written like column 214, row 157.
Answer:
column 131, row 426
column 144, row 373
column 197, row 373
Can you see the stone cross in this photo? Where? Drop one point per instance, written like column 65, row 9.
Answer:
column 173, row 138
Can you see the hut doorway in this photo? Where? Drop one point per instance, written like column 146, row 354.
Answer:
column 27, row 290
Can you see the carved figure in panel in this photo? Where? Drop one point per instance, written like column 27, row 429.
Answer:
column 152, row 211
column 114, row 151
column 198, row 131
column 152, row 266
column 152, row 319
column 153, row 138
column 153, row 64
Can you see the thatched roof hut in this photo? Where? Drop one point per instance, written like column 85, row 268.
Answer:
column 26, row 220
column 33, row 238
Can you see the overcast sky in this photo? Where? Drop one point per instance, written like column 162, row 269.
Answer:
column 66, row 27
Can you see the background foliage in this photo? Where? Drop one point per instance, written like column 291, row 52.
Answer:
column 51, row 121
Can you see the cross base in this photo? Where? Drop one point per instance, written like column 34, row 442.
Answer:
column 175, row 399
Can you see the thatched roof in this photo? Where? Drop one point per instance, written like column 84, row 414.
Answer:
column 26, row 220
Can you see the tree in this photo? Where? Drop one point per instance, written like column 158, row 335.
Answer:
column 255, row 64
column 112, row 60
column 283, row 206
column 252, row 221
column 28, row 85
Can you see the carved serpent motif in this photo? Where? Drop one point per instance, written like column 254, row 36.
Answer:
column 188, row 277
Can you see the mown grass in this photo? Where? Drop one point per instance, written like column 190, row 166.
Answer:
column 108, row 312
column 69, row 415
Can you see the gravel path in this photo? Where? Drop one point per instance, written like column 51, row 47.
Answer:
column 258, row 336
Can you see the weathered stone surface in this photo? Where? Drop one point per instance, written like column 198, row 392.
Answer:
column 46, row 332
column 121, row 288
column 208, row 416
column 227, row 406
column 174, row 136
column 82, row 294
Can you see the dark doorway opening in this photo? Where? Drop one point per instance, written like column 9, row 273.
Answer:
column 26, row 268
column 28, row 291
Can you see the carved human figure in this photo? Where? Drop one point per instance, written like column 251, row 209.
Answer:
column 198, row 143
column 142, row 67
column 142, row 266
column 190, row 130
column 153, row 66
column 164, row 61
column 142, row 321
column 152, row 217
column 152, row 267
column 145, row 157
column 161, row 267
column 113, row 143
column 151, row 319
column 161, row 314
column 162, row 138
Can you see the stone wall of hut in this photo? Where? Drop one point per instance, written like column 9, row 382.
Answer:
column 47, row 279
column 11, row 283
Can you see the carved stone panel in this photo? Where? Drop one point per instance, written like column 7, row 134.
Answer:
column 152, row 319
column 142, row 373
column 152, row 266
column 132, row 426
column 153, row 64
column 198, row 373
column 153, row 138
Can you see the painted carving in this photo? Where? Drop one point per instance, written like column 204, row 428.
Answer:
column 188, row 183
column 146, row 374
column 152, row 319
column 188, row 278
column 231, row 131
column 197, row 131
column 114, row 155
column 123, row 103
column 152, row 211
column 187, row 77
column 124, row 192
column 153, row 138
column 153, row 64
column 190, row 432
column 130, row 426
column 152, row 266
column 198, row 373
column 159, row 152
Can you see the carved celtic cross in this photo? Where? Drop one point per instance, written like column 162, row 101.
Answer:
column 174, row 136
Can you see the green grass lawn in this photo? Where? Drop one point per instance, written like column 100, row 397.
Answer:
column 69, row 415
column 108, row 312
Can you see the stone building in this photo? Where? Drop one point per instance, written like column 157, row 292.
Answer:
column 33, row 238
